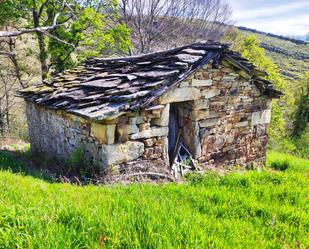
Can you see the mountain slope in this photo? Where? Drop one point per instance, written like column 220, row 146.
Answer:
column 291, row 55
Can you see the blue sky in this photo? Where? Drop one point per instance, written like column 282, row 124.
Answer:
column 284, row 17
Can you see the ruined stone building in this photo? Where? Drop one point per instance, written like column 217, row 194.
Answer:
column 129, row 110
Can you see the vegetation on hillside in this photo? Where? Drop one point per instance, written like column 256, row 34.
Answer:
column 285, row 54
column 255, row 209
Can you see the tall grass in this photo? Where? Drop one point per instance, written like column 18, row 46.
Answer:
column 267, row 209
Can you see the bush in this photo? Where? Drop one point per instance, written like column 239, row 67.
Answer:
column 280, row 165
column 302, row 144
column 77, row 157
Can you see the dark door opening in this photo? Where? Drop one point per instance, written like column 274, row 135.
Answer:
column 173, row 128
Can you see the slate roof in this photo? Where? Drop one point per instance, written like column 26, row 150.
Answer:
column 101, row 88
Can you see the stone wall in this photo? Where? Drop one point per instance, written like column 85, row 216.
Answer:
column 135, row 137
column 228, row 121
column 225, row 121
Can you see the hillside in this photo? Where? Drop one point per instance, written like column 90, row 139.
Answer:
column 291, row 56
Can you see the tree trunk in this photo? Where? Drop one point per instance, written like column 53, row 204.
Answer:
column 42, row 49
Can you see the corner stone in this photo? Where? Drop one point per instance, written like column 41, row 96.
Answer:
column 262, row 117
column 121, row 153
column 164, row 119
column 105, row 134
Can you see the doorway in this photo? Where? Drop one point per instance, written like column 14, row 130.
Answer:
column 180, row 120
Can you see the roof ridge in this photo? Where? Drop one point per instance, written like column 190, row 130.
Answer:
column 205, row 45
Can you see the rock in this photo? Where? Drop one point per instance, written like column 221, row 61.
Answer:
column 164, row 119
column 228, row 78
column 105, row 134
column 199, row 83
column 209, row 93
column 261, row 117
column 241, row 124
column 209, row 122
column 214, row 114
column 155, row 156
column 204, row 132
column 200, row 104
column 158, row 150
column 219, row 142
column 153, row 132
column 154, row 107
column 144, row 126
column 149, row 142
column 199, row 114
column 136, row 120
column 180, row 95
column 123, row 131
column 127, row 129
column 121, row 153
column 184, row 84
column 148, row 152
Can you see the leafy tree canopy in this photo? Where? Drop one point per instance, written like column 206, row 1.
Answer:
column 80, row 29
column 302, row 112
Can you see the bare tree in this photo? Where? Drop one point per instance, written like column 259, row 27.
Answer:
column 6, row 102
column 158, row 24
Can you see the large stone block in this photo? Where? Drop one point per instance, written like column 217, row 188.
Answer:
column 200, row 83
column 164, row 119
column 152, row 132
column 124, row 130
column 136, row 120
column 180, row 95
column 209, row 122
column 127, row 129
column 209, row 93
column 241, row 124
column 121, row 153
column 105, row 134
column 198, row 114
column 261, row 117
column 200, row 104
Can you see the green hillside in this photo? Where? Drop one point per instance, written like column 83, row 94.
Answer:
column 291, row 58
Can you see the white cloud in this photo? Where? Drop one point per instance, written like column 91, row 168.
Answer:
column 280, row 18
column 286, row 26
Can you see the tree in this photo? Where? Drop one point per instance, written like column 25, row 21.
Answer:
column 64, row 25
column 63, row 31
column 158, row 24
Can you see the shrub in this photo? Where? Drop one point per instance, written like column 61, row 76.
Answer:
column 280, row 165
column 302, row 143
column 77, row 156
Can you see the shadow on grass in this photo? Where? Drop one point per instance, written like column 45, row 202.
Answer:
column 18, row 159
column 20, row 162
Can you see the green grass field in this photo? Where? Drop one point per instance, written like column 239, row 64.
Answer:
column 254, row 209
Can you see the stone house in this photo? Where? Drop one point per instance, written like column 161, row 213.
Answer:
column 125, row 111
